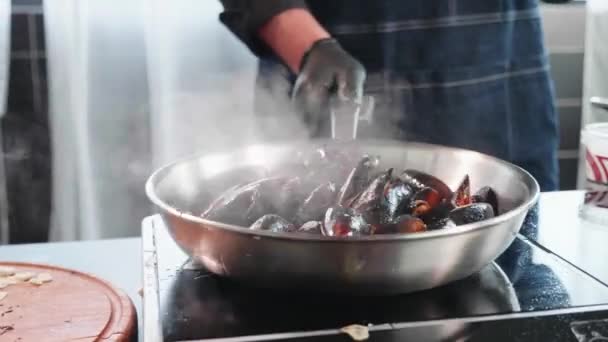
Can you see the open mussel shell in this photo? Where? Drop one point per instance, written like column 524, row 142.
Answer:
column 340, row 221
column 471, row 213
column 439, row 211
column 273, row 223
column 462, row 195
column 420, row 180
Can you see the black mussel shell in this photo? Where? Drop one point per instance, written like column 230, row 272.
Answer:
column 234, row 206
column 397, row 200
column 487, row 195
column 266, row 198
column 340, row 221
column 356, row 181
column 462, row 195
column 314, row 206
column 371, row 197
column 472, row 213
column 311, row 227
column 220, row 201
column 273, row 223
column 290, row 197
column 420, row 180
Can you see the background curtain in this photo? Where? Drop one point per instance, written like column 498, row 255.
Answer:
column 5, row 25
column 133, row 85
column 5, row 48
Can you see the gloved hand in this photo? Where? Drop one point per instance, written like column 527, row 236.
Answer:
column 326, row 71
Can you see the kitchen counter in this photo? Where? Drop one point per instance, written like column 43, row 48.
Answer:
column 120, row 261
column 565, row 234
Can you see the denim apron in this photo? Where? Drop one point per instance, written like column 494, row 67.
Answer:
column 465, row 73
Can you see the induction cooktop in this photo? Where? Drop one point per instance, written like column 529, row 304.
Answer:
column 527, row 294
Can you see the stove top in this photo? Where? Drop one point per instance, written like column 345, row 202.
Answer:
column 527, row 286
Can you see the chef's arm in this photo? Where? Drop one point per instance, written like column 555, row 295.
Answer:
column 282, row 27
column 291, row 34
column 287, row 29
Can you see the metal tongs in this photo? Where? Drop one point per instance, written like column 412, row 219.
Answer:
column 345, row 117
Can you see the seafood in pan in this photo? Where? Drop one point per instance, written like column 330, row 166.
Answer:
column 329, row 197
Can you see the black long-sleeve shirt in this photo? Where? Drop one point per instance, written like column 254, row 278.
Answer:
column 244, row 17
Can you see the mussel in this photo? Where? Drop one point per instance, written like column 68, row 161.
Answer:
column 370, row 198
column 356, row 181
column 340, row 221
column 409, row 224
column 290, row 197
column 424, row 201
column 305, row 198
column 474, row 212
column 420, row 180
column 273, row 223
column 397, row 199
column 435, row 216
column 267, row 198
column 219, row 202
column 486, row 195
column 314, row 206
column 311, row 227
column 233, row 206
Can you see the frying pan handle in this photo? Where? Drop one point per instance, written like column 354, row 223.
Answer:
column 345, row 117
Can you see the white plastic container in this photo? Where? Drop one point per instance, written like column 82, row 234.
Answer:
column 594, row 141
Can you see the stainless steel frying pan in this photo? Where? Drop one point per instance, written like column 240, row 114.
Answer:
column 381, row 264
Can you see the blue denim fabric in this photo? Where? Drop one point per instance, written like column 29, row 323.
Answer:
column 464, row 73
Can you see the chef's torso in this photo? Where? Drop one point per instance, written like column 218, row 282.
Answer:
column 465, row 73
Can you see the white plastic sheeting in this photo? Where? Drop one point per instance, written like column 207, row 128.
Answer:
column 134, row 85
column 201, row 80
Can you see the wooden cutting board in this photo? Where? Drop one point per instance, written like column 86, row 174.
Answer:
column 73, row 306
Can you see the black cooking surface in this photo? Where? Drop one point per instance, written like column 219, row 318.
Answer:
column 526, row 278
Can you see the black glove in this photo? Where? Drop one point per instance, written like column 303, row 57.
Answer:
column 327, row 71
